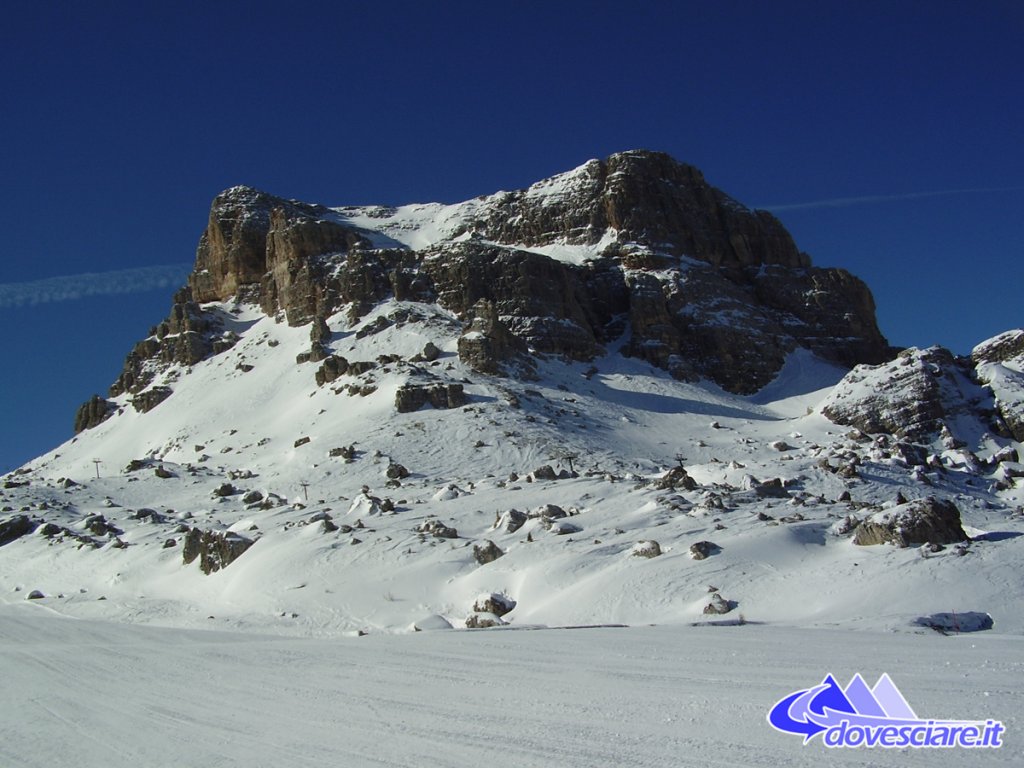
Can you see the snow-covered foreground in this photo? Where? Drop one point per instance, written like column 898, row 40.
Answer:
column 87, row 693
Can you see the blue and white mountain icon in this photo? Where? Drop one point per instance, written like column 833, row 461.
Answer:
column 816, row 709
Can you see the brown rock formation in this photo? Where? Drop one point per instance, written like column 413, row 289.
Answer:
column 93, row 412
column 914, row 396
column 649, row 198
column 922, row 521
column 704, row 286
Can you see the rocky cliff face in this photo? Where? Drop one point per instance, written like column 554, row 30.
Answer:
column 999, row 364
column 929, row 394
column 646, row 197
column 636, row 244
column 916, row 396
column 274, row 250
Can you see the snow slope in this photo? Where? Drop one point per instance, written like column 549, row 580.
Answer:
column 272, row 430
column 302, row 651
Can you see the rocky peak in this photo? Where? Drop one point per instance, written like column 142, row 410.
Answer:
column 700, row 285
column 644, row 197
column 258, row 243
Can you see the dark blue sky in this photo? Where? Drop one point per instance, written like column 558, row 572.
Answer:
column 120, row 123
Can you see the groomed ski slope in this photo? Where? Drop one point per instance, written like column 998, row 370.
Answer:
column 103, row 695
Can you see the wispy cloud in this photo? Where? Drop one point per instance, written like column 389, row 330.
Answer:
column 72, row 287
column 843, row 202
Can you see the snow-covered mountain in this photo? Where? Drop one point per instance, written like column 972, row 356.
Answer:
column 616, row 397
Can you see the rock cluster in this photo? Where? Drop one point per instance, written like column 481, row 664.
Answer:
column 188, row 335
column 332, row 367
column 412, row 397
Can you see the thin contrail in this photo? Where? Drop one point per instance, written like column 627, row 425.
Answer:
column 842, row 202
column 72, row 287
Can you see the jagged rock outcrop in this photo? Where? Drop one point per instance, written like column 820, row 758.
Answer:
column 915, row 396
column 538, row 299
column 487, row 345
column 1007, row 347
column 187, row 336
column 922, row 521
column 706, row 286
column 646, row 197
column 256, row 241
column 1000, row 365
column 150, row 398
column 93, row 412
column 412, row 397
column 332, row 367
column 15, row 527
column 215, row 549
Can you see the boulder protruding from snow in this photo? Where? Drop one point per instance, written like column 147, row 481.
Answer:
column 718, row 605
column 964, row 621
column 215, row 549
column 921, row 521
column 396, row 471
column 495, row 603
column 675, row 479
column 15, row 528
column 544, row 472
column 412, row 397
column 704, row 549
column 486, row 552
column 434, row 527
column 484, row 621
column 510, row 521
column 648, row 548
